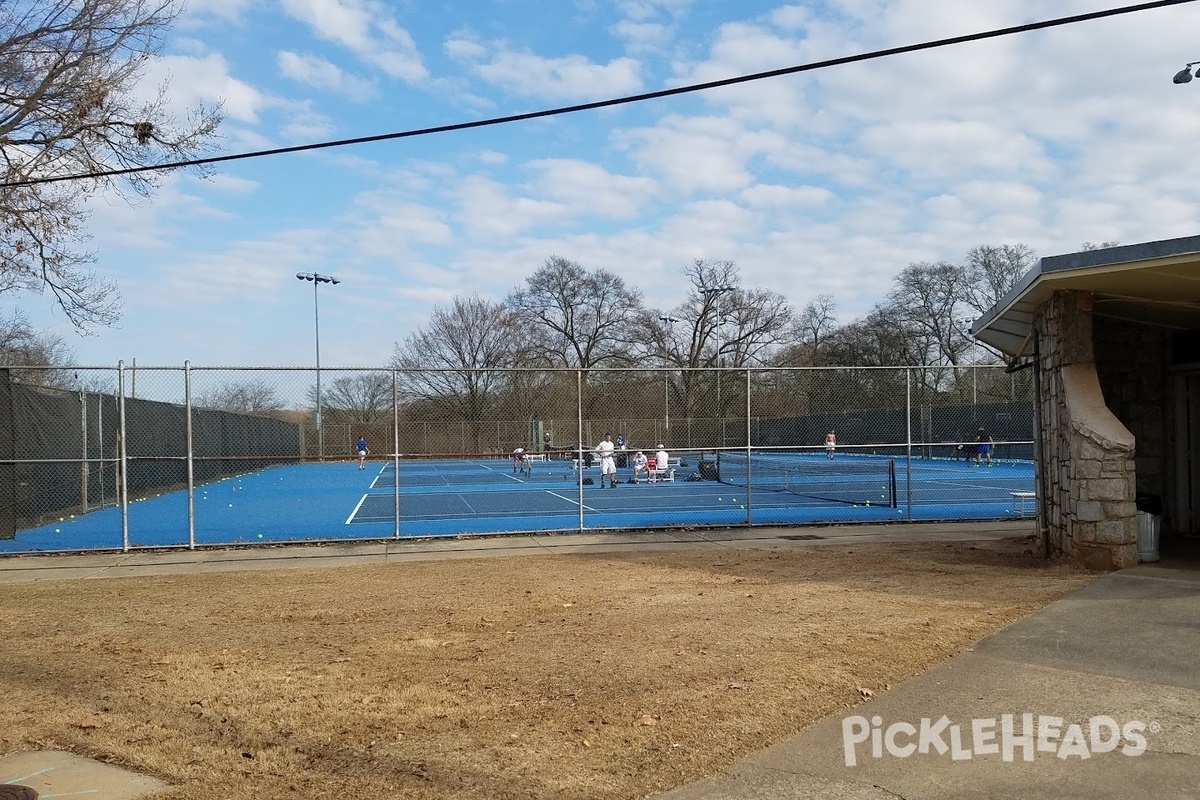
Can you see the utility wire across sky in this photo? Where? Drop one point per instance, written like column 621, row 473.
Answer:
column 618, row 101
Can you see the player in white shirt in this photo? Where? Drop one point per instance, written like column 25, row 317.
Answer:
column 608, row 464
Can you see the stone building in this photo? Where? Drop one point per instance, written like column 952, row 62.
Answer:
column 1113, row 337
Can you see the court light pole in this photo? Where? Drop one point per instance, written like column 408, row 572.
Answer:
column 317, row 279
column 666, row 383
column 717, row 291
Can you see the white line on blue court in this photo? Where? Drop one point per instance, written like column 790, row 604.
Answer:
column 357, row 506
column 569, row 500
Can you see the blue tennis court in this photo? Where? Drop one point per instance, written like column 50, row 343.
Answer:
column 454, row 497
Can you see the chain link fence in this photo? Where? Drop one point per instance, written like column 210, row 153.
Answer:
column 124, row 457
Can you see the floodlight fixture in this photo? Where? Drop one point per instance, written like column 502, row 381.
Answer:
column 1185, row 75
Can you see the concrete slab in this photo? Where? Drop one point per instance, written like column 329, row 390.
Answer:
column 55, row 774
column 1099, row 653
column 1140, row 624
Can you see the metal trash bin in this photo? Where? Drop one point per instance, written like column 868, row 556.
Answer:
column 1149, row 524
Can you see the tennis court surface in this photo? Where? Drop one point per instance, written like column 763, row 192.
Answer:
column 335, row 501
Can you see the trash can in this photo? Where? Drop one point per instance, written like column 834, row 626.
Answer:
column 1149, row 523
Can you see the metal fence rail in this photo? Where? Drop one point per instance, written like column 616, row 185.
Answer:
column 185, row 456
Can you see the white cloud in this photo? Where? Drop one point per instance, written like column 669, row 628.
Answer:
column 696, row 154
column 764, row 195
column 228, row 184
column 322, row 74
column 642, row 36
column 202, row 79
column 588, row 188
column 365, row 28
column 487, row 211
column 571, row 77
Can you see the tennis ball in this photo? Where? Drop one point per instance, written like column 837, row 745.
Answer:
column 260, row 536
column 72, row 516
column 58, row 530
column 231, row 505
column 60, row 519
column 868, row 504
column 719, row 500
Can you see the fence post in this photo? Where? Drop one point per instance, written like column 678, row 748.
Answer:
column 908, row 437
column 122, row 459
column 749, row 508
column 579, row 454
column 83, row 467
column 191, row 456
column 396, row 452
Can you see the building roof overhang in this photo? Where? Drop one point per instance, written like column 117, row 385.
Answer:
column 1155, row 283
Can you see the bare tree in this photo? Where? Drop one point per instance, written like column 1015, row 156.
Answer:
column 927, row 299
column 455, row 357
column 992, row 270
column 750, row 325
column 244, row 397
column 68, row 71
column 810, row 332
column 580, row 319
column 22, row 348
column 362, row 398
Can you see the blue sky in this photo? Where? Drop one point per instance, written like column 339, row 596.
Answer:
column 823, row 182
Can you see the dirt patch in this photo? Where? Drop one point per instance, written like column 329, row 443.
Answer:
column 581, row 676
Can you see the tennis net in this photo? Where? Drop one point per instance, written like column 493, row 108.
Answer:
column 849, row 480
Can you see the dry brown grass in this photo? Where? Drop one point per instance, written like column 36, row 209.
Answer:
column 587, row 676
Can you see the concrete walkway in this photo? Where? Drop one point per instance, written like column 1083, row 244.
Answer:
column 291, row 556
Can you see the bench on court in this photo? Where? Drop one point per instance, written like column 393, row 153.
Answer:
column 1024, row 502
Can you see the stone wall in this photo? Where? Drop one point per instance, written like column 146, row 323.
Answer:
column 1087, row 455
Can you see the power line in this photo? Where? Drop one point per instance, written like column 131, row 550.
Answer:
column 618, row 101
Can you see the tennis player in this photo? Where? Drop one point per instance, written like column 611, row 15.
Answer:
column 830, row 444
column 662, row 463
column 640, row 467
column 521, row 461
column 983, row 447
column 608, row 464
column 361, row 447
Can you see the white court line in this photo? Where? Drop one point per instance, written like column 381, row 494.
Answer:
column 357, row 506
column 571, row 500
